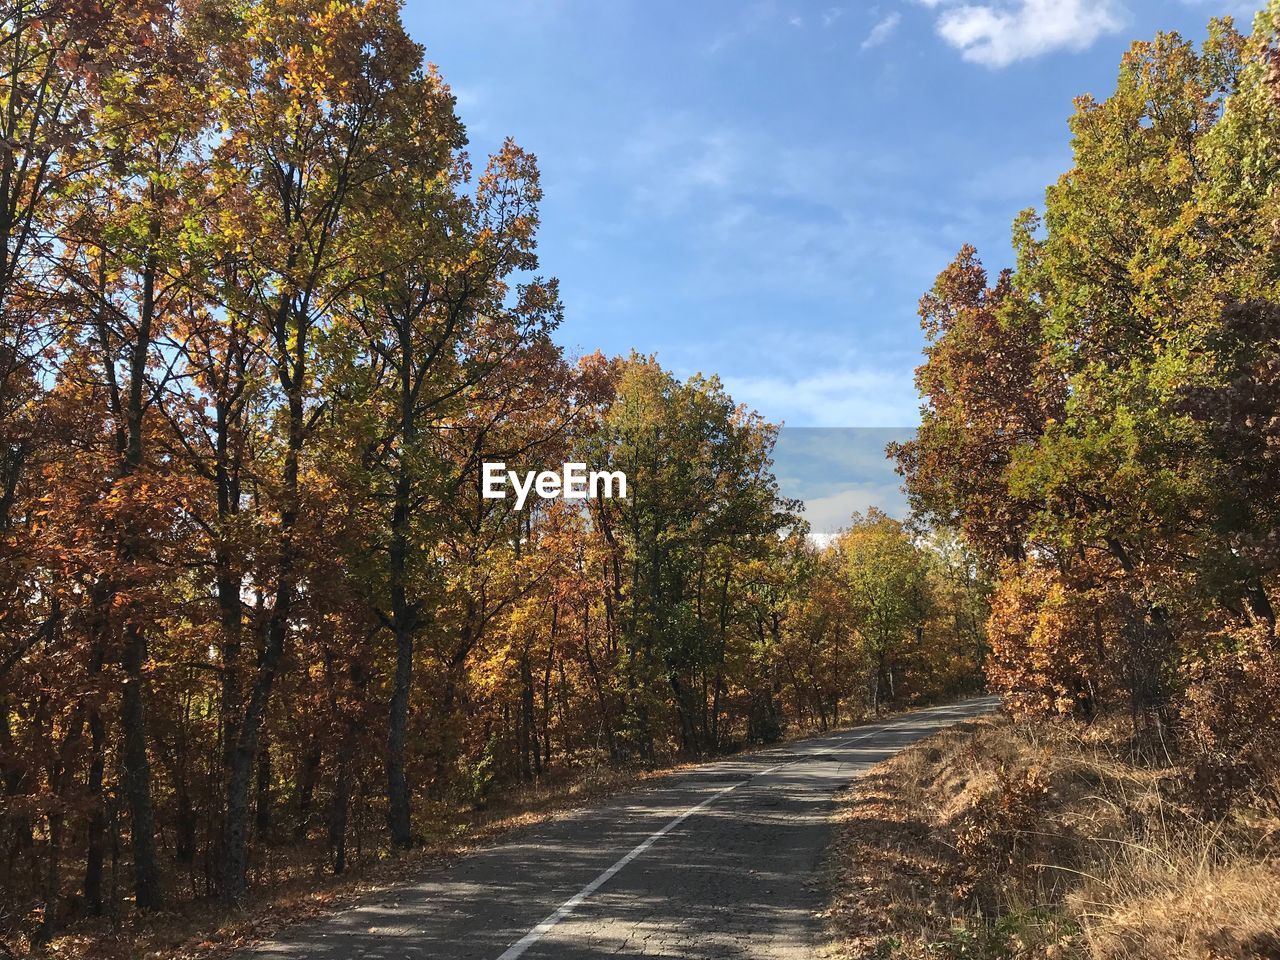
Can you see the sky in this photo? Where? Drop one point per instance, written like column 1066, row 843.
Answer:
column 763, row 189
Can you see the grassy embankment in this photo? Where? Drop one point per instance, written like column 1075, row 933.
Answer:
column 1002, row 841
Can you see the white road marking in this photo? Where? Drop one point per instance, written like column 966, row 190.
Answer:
column 542, row 929
column 566, row 908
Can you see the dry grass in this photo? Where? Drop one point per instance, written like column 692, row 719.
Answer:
column 1000, row 842
column 1180, row 892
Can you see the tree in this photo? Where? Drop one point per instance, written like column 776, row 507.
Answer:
column 703, row 498
column 887, row 579
column 128, row 262
column 314, row 98
column 989, row 395
column 259, row 329
column 436, row 332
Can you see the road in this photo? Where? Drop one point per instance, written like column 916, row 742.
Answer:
column 719, row 861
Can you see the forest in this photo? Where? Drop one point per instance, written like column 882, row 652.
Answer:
column 261, row 323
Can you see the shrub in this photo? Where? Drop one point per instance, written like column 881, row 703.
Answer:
column 1233, row 726
column 993, row 832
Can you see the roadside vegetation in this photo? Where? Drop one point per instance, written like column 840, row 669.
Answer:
column 997, row 840
column 1121, row 389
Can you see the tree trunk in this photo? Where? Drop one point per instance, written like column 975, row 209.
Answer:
column 546, row 695
column 399, row 821
column 597, row 685
column 95, row 837
column 235, row 863
column 137, row 774
column 262, row 800
column 688, row 727
column 52, row 882
column 530, row 757
column 306, row 791
column 240, row 779
column 136, row 779
column 403, row 625
column 338, row 807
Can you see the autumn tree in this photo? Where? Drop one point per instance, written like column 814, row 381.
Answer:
column 887, row 579
column 988, row 396
column 1144, row 571
column 437, row 330
column 314, row 98
column 129, row 263
column 702, row 498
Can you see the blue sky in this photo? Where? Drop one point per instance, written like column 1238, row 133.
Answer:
column 764, row 188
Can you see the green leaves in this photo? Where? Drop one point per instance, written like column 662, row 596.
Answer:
column 1069, row 422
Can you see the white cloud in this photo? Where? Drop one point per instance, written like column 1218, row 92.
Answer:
column 676, row 162
column 829, row 515
column 837, row 396
column 998, row 34
column 882, row 30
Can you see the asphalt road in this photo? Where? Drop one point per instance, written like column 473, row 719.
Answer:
column 719, row 861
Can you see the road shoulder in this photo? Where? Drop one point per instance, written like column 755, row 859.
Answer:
column 999, row 841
